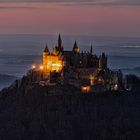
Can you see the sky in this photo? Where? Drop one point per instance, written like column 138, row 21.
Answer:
column 71, row 17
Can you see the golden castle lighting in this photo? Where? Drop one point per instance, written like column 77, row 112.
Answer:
column 41, row 67
column 91, row 78
column 53, row 63
column 33, row 66
column 85, row 89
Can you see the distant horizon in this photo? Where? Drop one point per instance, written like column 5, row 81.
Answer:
column 78, row 35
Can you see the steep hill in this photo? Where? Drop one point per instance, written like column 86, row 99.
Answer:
column 31, row 112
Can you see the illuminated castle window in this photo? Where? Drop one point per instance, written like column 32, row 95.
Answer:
column 54, row 64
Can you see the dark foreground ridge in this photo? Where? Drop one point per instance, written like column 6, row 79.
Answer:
column 30, row 112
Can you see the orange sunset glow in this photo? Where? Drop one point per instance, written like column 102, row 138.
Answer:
column 69, row 18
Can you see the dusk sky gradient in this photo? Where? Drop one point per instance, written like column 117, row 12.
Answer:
column 98, row 18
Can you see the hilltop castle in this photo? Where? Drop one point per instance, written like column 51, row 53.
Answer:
column 84, row 70
column 59, row 58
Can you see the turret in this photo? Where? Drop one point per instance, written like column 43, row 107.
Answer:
column 59, row 41
column 103, row 61
column 100, row 63
column 104, row 58
column 76, row 48
column 60, row 48
column 46, row 50
column 45, row 55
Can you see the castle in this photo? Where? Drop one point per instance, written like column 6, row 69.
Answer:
column 58, row 58
column 83, row 70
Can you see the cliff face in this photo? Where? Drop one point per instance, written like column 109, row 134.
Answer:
column 30, row 112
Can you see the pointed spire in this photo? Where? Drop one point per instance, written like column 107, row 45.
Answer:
column 59, row 41
column 46, row 48
column 76, row 48
column 59, row 37
column 75, row 44
column 91, row 49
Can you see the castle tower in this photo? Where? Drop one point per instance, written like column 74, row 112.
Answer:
column 100, row 63
column 45, row 54
column 103, row 61
column 60, row 48
column 59, row 41
column 76, row 48
column 46, row 49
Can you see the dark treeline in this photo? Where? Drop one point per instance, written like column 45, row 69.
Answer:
column 31, row 112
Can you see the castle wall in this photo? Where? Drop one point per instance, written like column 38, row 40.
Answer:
column 52, row 63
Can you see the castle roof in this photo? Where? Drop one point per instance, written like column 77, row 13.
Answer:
column 75, row 45
column 46, row 48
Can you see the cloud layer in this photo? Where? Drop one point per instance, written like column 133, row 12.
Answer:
column 93, row 2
